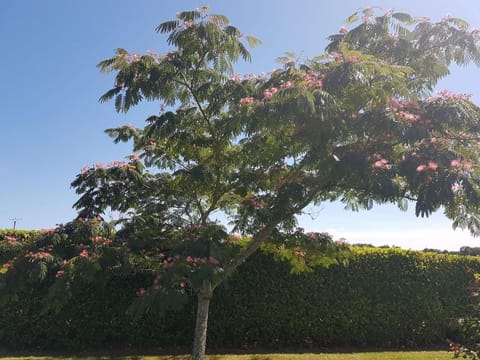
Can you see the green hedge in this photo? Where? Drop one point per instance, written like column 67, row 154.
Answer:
column 383, row 298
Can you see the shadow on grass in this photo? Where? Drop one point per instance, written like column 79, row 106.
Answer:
column 252, row 357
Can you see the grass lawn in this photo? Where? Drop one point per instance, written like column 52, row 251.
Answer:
column 387, row 355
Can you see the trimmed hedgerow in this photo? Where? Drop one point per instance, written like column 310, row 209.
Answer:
column 382, row 298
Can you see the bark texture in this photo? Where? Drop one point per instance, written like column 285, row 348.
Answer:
column 201, row 323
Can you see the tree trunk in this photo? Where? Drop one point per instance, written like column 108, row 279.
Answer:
column 201, row 323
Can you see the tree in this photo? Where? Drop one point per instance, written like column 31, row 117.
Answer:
column 358, row 125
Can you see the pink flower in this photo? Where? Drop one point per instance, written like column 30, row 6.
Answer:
column 246, row 101
column 84, row 253
column 267, row 94
column 288, row 84
column 60, row 273
column 343, row 30
column 467, row 165
column 457, row 187
column 135, row 157
column 189, row 259
column 432, row 165
column 182, row 284
column 236, row 77
column 213, row 261
column 454, row 163
column 11, row 239
column 273, row 90
column 421, row 168
column 141, row 292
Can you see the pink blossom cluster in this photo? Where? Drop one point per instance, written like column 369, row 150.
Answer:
column 465, row 165
column 152, row 54
column 248, row 101
column 336, row 56
column 449, row 95
column 60, row 273
column 134, row 157
column 248, row 76
column 431, row 165
column 203, row 260
column 298, row 251
column 446, row 18
column 379, row 162
column 343, row 30
column 367, row 19
column 434, row 140
column 313, row 80
column 101, row 165
column 422, row 19
column 457, row 187
column 11, row 239
column 38, row 255
column 407, row 116
column 100, row 240
column 397, row 103
column 194, row 261
column 268, row 93
column 130, row 58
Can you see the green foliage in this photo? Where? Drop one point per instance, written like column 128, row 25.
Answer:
column 13, row 243
column 381, row 298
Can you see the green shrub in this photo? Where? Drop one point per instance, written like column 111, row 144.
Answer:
column 382, row 298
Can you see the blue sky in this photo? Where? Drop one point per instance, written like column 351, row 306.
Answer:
column 51, row 122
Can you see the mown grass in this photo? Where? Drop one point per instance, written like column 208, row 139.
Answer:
column 387, row 355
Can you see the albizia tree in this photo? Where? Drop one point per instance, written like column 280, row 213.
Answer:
column 359, row 124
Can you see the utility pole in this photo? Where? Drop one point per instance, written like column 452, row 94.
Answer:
column 15, row 222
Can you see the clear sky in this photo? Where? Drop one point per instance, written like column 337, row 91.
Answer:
column 51, row 122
